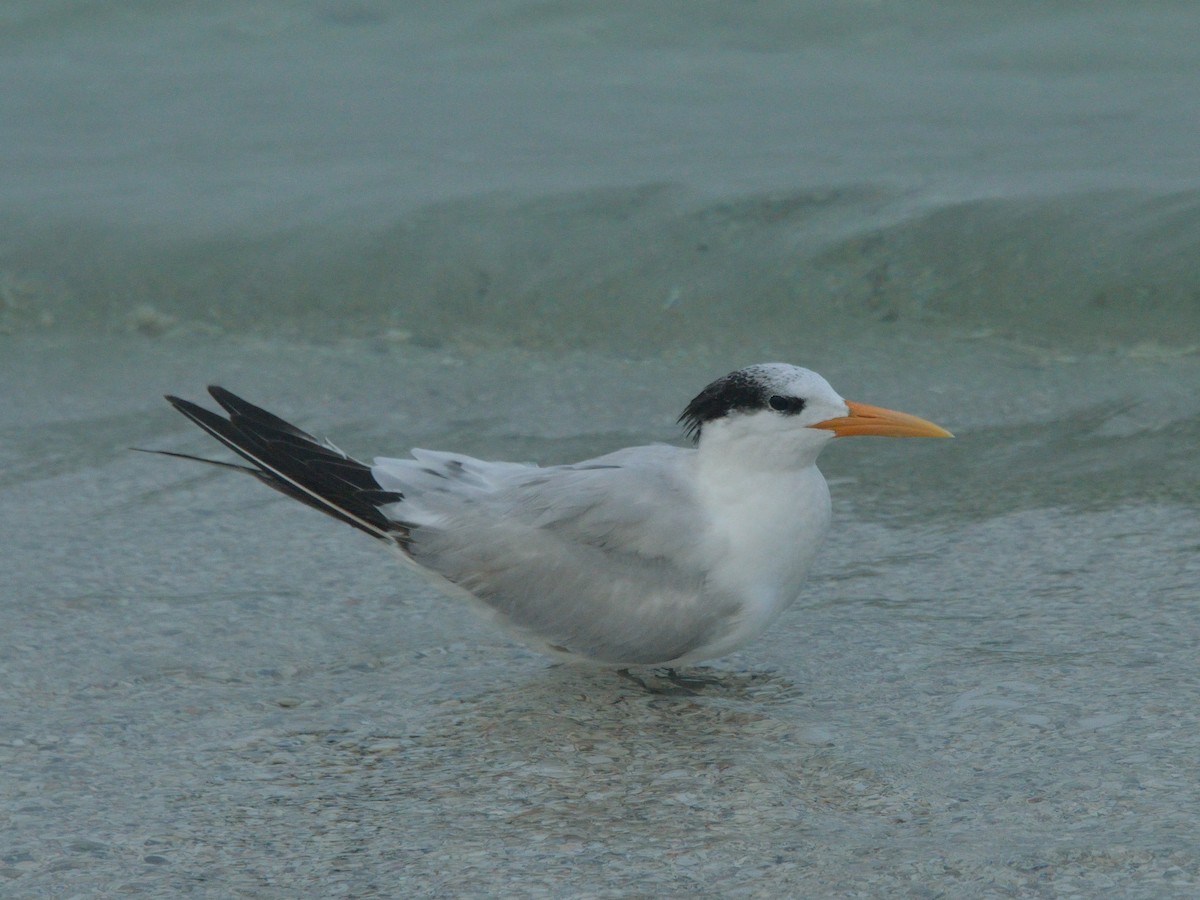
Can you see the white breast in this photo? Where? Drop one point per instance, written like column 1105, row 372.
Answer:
column 764, row 529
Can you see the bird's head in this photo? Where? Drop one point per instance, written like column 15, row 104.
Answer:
column 790, row 412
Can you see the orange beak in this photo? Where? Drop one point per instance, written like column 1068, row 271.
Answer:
column 865, row 419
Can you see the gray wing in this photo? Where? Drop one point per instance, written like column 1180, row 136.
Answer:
column 596, row 559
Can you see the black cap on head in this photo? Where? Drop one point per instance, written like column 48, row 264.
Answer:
column 740, row 391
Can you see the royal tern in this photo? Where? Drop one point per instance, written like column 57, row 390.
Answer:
column 654, row 555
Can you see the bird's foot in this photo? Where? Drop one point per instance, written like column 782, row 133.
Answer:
column 670, row 682
column 694, row 678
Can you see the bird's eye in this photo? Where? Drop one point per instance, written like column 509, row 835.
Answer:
column 786, row 405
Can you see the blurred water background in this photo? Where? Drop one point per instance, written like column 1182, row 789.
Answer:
column 534, row 230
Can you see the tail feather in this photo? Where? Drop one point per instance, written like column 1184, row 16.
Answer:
column 295, row 463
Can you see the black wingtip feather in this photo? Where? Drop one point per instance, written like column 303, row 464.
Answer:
column 295, row 463
column 237, row 407
column 188, row 456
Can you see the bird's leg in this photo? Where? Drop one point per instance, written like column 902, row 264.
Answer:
column 657, row 684
column 629, row 676
column 692, row 680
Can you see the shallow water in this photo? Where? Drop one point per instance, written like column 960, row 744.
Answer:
column 988, row 687
column 534, row 231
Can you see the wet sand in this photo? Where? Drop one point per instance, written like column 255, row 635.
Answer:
column 988, row 689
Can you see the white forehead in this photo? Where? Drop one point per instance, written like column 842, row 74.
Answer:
column 793, row 381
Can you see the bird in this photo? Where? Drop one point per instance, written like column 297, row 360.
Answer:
column 658, row 555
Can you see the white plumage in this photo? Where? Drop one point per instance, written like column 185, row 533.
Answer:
column 650, row 555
